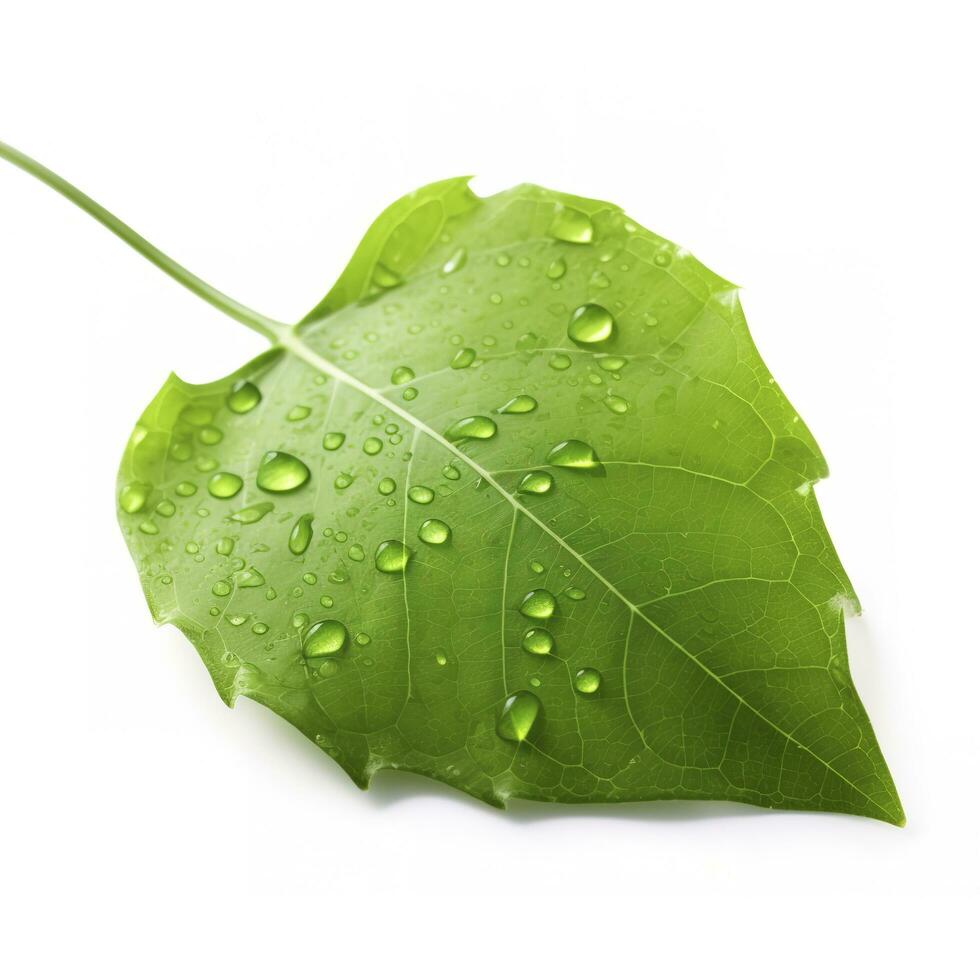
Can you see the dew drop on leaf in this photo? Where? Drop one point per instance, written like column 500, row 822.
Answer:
column 224, row 485
column 343, row 480
column 572, row 225
column 386, row 486
column 574, row 454
column 225, row 546
column 575, row 594
column 251, row 578
column 616, row 404
column 472, row 427
column 221, row 588
column 537, row 481
column 463, row 358
column 185, row 489
column 538, row 604
column 149, row 527
column 434, row 531
column 325, row 638
column 210, row 435
column 298, row 412
column 166, row 508
column 243, row 397
column 301, row 535
column 455, row 262
column 591, row 324
column 391, row 557
column 517, row 718
column 588, row 680
column 402, row 375
column 557, row 269
column 281, row 472
column 384, row 277
column 538, row 641
column 560, row 362
column 611, row 363
column 518, row 405
column 133, row 496
column 410, row 394
column 450, row 472
column 421, row 495
column 372, row 445
column 333, row 441
column 250, row 515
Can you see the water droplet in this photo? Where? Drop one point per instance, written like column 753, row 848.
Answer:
column 410, row 394
column 571, row 225
column 588, row 680
column 450, row 472
column 421, row 495
column 298, row 412
column 662, row 259
column 391, row 557
column 610, row 363
column 537, row 481
column 333, row 440
column 325, row 638
column 577, row 595
column 243, row 397
column 473, row 427
column 185, row 489
column 496, row 299
column 149, row 527
column 210, row 435
column 536, row 567
column 434, row 531
column 384, row 277
column 221, row 588
column 557, row 269
column 517, row 718
column 249, row 515
column 538, row 604
column 132, row 497
column 260, row 629
column 166, row 508
column 402, row 375
column 575, row 455
column 224, row 485
column 560, row 362
column 386, row 486
column 463, row 358
column 343, row 480
column 503, row 260
column 518, row 405
column 355, row 553
column 225, row 546
column 251, row 578
column 599, row 280
column 615, row 404
column 301, row 535
column 281, row 472
column 441, row 659
column 455, row 262
column 373, row 445
column 539, row 641
column 591, row 324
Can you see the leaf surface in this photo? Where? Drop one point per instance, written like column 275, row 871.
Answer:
column 538, row 523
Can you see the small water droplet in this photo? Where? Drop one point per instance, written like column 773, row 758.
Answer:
column 518, row 405
column 325, row 638
column 343, row 480
column 249, row 515
column 441, row 659
column 538, row 604
column 372, row 445
column 591, row 324
column 386, row 486
column 251, row 578
column 225, row 546
column 410, row 394
column 221, row 588
column 149, row 527
column 385, row 278
column 421, row 495
column 133, row 496
column 599, row 280
column 616, row 404
column 450, row 472
column 517, row 718
column 472, row 427
column 301, row 535
column 333, row 440
column 536, row 567
column 224, row 485
column 210, row 435
column 434, row 531
column 557, row 269
column 166, row 508
column 298, row 412
column 611, row 363
column 402, row 375
column 300, row 620
column 572, row 225
column 455, row 262
column 576, row 594
column 537, row 481
column 538, row 641
column 243, row 397
column 575, row 455
column 391, row 557
column 560, row 362
column 185, row 489
column 281, row 472
column 259, row 629
column 463, row 358
column 588, row 680
column 662, row 259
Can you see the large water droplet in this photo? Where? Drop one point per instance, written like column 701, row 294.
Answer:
column 537, row 481
column 281, row 472
column 517, row 718
column 571, row 225
column 591, row 324
column 518, row 405
column 132, row 497
column 251, row 578
column 473, row 427
column 325, row 638
column 538, row 604
column 243, row 397
column 538, row 641
column 434, row 531
column 575, row 455
column 301, row 535
column 224, row 485
column 372, row 445
column 588, row 681
column 386, row 486
column 391, row 557
column 402, row 375
column 421, row 495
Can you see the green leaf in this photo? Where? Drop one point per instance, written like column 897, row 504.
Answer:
column 518, row 507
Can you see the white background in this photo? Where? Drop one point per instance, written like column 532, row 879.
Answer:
column 822, row 156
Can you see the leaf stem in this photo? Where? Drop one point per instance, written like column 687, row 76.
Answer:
column 272, row 329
